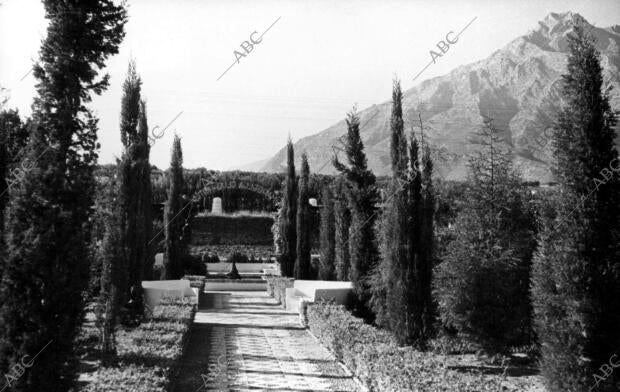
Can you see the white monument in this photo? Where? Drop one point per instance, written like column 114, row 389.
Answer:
column 216, row 206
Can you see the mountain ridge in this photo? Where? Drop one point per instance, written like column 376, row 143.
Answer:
column 517, row 85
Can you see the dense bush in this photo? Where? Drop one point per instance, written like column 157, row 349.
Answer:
column 233, row 229
column 276, row 287
column 217, row 252
column 373, row 356
column 148, row 356
column 193, row 265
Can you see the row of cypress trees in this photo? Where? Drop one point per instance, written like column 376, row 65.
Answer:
column 512, row 274
column 294, row 220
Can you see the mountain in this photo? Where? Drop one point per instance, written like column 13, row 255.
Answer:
column 518, row 86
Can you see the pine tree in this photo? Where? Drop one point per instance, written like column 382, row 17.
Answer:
column 576, row 277
column 173, row 221
column 342, row 216
column 362, row 196
column 288, row 224
column 327, row 236
column 302, row 263
column 46, row 271
column 482, row 283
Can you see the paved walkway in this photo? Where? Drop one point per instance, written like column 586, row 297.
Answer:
column 244, row 341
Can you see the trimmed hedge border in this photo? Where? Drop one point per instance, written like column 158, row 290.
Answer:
column 149, row 355
column 375, row 358
column 276, row 287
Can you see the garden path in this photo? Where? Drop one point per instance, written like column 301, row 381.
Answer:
column 244, row 341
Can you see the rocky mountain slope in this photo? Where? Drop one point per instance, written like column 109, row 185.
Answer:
column 518, row 86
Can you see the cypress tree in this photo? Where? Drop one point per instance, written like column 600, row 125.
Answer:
column 130, row 171
column 342, row 216
column 173, row 222
column 576, row 277
column 288, row 228
column 146, row 253
column 402, row 283
column 362, row 195
column 327, row 236
column 46, row 271
column 302, row 263
column 112, row 258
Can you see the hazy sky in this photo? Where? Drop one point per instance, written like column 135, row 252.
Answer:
column 319, row 59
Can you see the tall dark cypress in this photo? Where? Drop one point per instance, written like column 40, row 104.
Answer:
column 302, row 263
column 327, row 236
column 46, row 272
column 173, row 221
column 145, row 198
column 130, row 171
column 342, row 216
column 402, row 283
column 576, row 273
column 362, row 197
column 288, row 228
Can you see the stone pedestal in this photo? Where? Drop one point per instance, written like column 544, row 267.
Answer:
column 216, row 206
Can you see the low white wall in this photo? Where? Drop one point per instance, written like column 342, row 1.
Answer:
column 235, row 286
column 241, row 267
column 314, row 290
column 154, row 290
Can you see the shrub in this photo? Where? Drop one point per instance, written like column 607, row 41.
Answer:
column 238, row 258
column 276, row 287
column 374, row 357
column 193, row 265
column 148, row 356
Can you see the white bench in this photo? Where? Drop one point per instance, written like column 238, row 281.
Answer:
column 154, row 290
column 314, row 290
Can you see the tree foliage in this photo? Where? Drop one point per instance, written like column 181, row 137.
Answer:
column 46, row 271
column 482, row 282
column 402, row 283
column 327, row 237
column 362, row 197
column 302, row 263
column 576, row 277
column 173, row 221
column 288, row 224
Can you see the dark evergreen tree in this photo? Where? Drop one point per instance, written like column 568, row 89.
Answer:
column 302, row 263
column 145, row 199
column 402, row 285
column 46, row 271
column 113, row 278
column 173, row 221
column 576, row 277
column 327, row 237
column 342, row 216
column 288, row 224
column 131, row 173
column 482, row 282
column 362, row 196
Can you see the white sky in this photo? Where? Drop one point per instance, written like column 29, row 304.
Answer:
column 319, row 59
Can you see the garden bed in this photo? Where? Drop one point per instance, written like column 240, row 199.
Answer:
column 148, row 355
column 374, row 357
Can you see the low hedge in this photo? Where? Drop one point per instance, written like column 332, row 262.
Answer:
column 276, row 287
column 375, row 358
column 148, row 356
